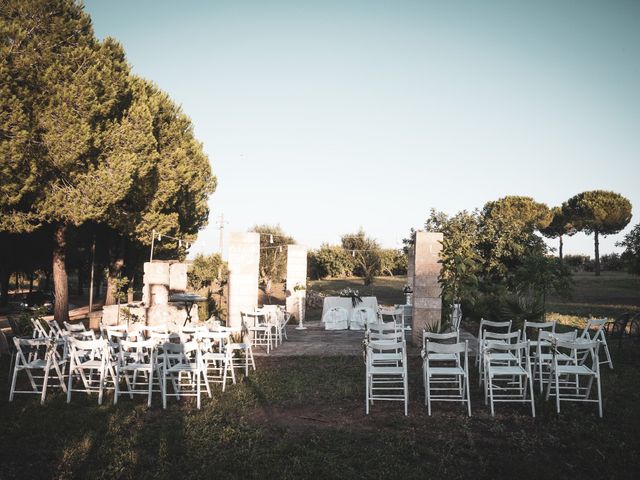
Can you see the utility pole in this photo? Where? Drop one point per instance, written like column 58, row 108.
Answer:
column 221, row 224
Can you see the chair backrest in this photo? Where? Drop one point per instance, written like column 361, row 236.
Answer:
column 555, row 336
column 582, row 350
column 517, row 348
column 183, row 353
column 39, row 330
column 74, row 327
column 595, row 326
column 375, row 347
column 440, row 337
column 511, row 337
column 435, row 347
column 536, row 327
column 209, row 339
column 381, row 328
column 93, row 349
column 140, row 351
column 493, row 326
column 394, row 336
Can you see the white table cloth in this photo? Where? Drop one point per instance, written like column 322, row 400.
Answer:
column 345, row 302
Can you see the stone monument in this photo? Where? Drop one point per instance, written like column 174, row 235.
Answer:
column 244, row 262
column 427, row 293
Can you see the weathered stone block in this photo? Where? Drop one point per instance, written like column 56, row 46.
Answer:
column 244, row 261
column 178, row 277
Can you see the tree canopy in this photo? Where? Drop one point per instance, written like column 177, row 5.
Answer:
column 83, row 141
column 599, row 212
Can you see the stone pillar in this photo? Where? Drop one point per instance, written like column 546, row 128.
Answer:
column 178, row 277
column 244, row 262
column 156, row 283
column 411, row 265
column 296, row 274
column 427, row 300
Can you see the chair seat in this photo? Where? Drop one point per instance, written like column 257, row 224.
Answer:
column 377, row 370
column 575, row 370
column 90, row 364
column 39, row 364
column 183, row 367
column 135, row 366
column 548, row 357
column 507, row 370
column 445, row 371
column 503, row 357
column 443, row 356
column 214, row 356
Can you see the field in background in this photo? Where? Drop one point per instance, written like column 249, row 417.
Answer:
column 609, row 295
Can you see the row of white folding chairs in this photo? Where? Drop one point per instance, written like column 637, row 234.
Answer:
column 266, row 326
column 593, row 331
column 99, row 364
column 510, row 363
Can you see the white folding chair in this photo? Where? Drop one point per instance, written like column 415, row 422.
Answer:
column 78, row 331
column 531, row 332
column 594, row 331
column 90, row 361
column 386, row 382
column 545, row 354
column 217, row 358
column 182, row 365
column 508, row 381
column 565, row 383
column 35, row 355
column 492, row 326
column 260, row 332
column 446, row 373
column 137, row 364
column 337, row 318
column 505, row 357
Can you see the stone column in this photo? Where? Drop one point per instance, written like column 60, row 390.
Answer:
column 296, row 274
column 411, row 265
column 244, row 262
column 427, row 300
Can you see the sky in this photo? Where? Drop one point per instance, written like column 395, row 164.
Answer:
column 327, row 116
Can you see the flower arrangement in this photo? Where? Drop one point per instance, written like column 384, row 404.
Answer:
column 299, row 287
column 407, row 289
column 353, row 294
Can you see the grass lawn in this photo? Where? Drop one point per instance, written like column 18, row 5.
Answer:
column 304, row 418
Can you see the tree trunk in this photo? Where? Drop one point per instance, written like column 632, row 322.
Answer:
column 597, row 252
column 80, row 285
column 115, row 267
column 560, row 249
column 60, row 280
column 31, row 279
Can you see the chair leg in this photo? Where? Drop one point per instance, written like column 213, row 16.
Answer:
column 13, row 383
column 150, row 387
column 466, row 382
column 533, row 403
column 599, row 396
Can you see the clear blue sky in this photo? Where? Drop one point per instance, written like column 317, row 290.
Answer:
column 325, row 116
